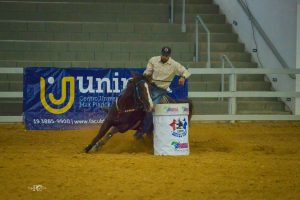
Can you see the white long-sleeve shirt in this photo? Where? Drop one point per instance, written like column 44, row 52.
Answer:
column 163, row 73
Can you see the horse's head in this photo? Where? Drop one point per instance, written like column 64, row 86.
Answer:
column 141, row 91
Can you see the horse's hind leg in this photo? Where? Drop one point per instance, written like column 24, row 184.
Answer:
column 105, row 139
column 103, row 130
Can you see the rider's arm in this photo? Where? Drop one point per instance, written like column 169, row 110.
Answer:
column 182, row 71
column 149, row 69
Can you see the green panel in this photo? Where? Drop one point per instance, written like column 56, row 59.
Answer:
column 36, row 26
column 99, row 27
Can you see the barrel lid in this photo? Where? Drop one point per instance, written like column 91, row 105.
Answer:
column 172, row 109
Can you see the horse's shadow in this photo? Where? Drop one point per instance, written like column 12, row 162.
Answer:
column 210, row 145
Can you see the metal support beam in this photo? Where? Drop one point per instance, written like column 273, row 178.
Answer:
column 171, row 12
column 297, row 84
column 183, row 24
column 197, row 21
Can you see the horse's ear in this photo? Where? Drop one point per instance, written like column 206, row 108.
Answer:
column 129, row 83
column 136, row 75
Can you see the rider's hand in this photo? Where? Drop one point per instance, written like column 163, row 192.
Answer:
column 181, row 81
column 148, row 77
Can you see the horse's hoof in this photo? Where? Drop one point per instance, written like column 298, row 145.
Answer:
column 98, row 146
column 87, row 148
column 138, row 135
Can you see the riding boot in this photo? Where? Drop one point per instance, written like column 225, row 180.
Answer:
column 145, row 127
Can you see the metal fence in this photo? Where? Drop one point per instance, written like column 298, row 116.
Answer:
column 232, row 94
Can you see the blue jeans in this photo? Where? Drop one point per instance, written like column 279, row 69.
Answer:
column 156, row 95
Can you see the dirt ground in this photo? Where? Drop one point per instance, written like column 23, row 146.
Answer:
column 227, row 161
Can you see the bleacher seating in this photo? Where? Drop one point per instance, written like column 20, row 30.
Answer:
column 121, row 33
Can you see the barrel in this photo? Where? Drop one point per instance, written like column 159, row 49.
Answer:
column 171, row 135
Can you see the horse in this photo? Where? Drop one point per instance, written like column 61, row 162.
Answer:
column 128, row 111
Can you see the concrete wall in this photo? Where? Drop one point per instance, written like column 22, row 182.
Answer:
column 278, row 19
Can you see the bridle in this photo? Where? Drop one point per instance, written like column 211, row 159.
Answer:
column 137, row 96
column 138, row 103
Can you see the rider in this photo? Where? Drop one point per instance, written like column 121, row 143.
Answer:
column 161, row 70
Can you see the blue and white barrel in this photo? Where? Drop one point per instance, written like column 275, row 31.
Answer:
column 171, row 133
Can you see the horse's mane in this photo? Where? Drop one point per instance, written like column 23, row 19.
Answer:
column 138, row 76
column 128, row 95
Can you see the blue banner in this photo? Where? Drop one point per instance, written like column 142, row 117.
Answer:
column 72, row 98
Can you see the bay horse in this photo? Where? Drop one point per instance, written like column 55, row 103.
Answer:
column 128, row 111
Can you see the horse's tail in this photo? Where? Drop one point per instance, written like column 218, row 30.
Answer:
column 191, row 107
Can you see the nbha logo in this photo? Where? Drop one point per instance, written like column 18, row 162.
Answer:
column 63, row 97
column 179, row 128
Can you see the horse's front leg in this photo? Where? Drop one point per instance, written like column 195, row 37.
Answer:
column 103, row 130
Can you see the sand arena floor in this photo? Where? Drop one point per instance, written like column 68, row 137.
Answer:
column 227, row 161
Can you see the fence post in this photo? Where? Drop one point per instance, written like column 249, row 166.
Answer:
column 297, row 99
column 232, row 100
column 222, row 77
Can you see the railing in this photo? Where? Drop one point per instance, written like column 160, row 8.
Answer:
column 225, row 59
column 233, row 94
column 199, row 19
column 9, row 119
column 231, row 116
column 232, row 86
column 171, row 15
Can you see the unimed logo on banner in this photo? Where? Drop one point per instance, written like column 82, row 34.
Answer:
column 89, row 91
column 72, row 98
column 71, row 82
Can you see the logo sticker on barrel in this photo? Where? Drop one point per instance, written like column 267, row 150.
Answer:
column 178, row 127
column 172, row 110
column 185, row 109
column 179, row 146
